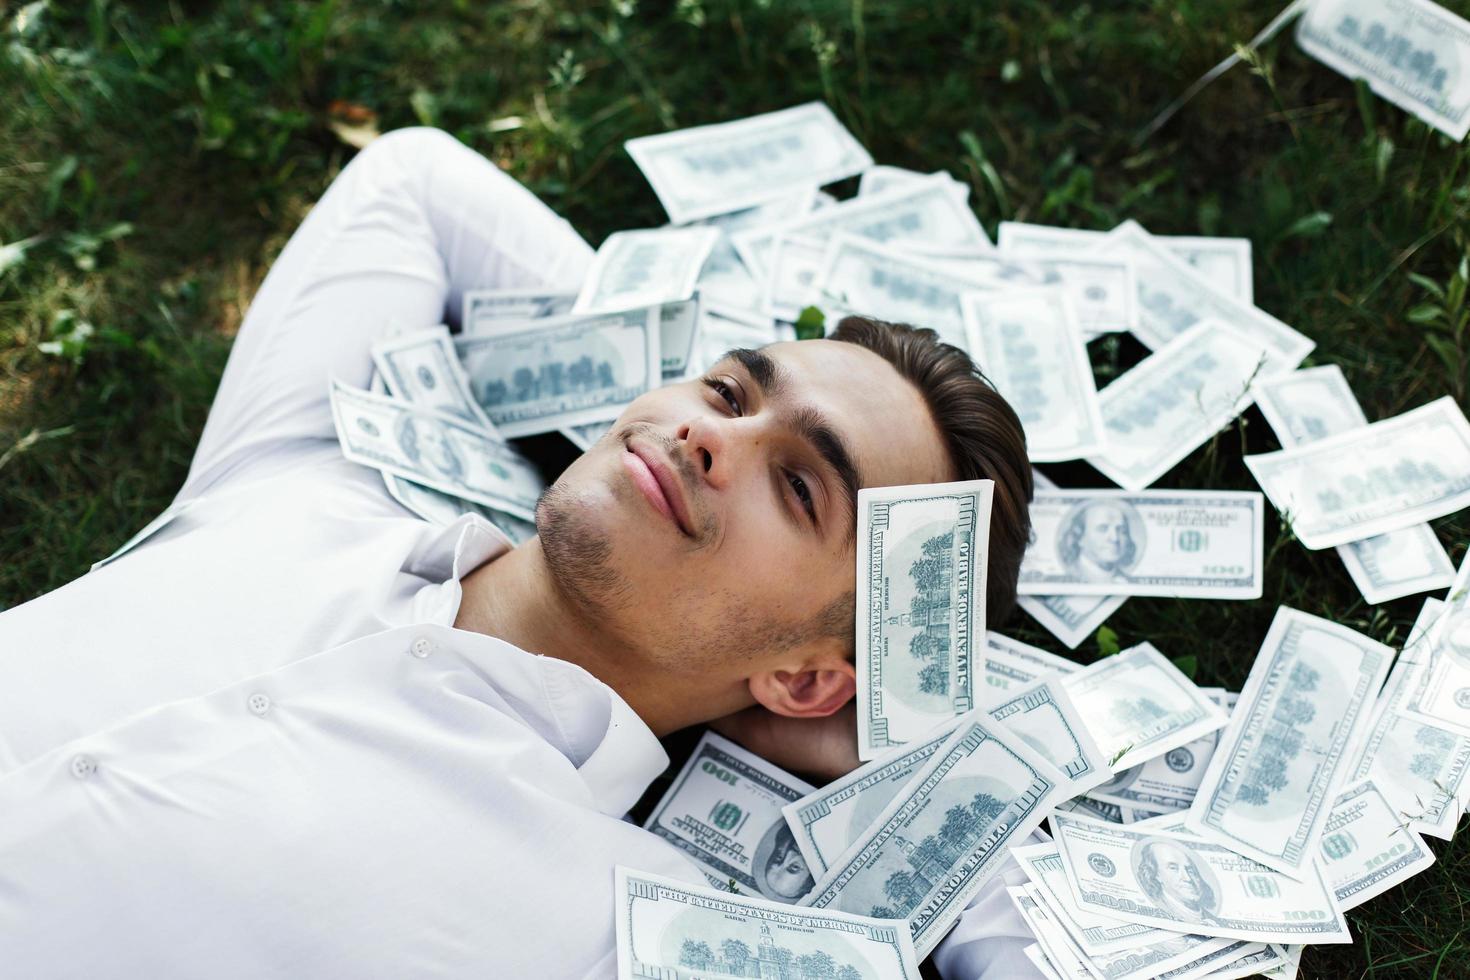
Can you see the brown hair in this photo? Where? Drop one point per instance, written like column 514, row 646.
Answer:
column 981, row 431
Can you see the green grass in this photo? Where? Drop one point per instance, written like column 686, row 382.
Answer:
column 164, row 152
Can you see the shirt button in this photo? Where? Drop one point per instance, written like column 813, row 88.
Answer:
column 83, row 766
column 258, row 703
column 421, row 647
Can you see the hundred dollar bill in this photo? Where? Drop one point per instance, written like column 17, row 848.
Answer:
column 1420, row 767
column 827, row 821
column 678, row 327
column 670, row 929
column 1137, row 706
column 1411, row 52
column 1092, row 809
column 433, row 449
column 1003, row 674
column 648, row 267
column 1041, row 661
column 1176, row 957
column 486, row 306
column 790, row 286
column 1169, row 955
column 722, row 330
column 725, row 278
column 1314, row 403
column 422, row 367
column 1187, row 884
column 1263, row 959
column 1064, row 960
column 892, row 284
column 936, row 843
column 709, row 170
column 1029, row 344
column 1070, row 618
column 1364, row 482
column 724, row 811
column 880, row 178
column 443, row 509
column 1404, row 679
column 1042, row 715
column 1169, row 782
column 1172, row 297
column 678, row 321
column 920, row 607
column 1223, row 262
column 1438, row 688
column 541, row 375
column 1094, row 934
column 1365, row 849
column 1288, row 748
column 926, row 213
column 1176, row 543
column 1172, row 401
column 1102, row 290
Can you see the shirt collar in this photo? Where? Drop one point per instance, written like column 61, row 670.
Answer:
column 458, row 548
column 628, row 759
column 617, row 761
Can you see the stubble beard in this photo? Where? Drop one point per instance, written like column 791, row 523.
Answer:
column 579, row 554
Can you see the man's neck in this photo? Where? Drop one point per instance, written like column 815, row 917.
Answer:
column 515, row 598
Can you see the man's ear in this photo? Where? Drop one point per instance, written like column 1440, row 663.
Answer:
column 825, row 683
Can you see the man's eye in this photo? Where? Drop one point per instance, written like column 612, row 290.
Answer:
column 723, row 390
column 803, row 493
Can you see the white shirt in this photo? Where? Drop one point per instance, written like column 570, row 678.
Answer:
column 254, row 746
column 191, row 789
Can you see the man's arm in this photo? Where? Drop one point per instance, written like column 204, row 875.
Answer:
column 414, row 221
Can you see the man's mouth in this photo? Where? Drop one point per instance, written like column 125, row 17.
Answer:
column 659, row 484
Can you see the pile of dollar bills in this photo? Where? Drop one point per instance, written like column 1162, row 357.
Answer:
column 1193, row 832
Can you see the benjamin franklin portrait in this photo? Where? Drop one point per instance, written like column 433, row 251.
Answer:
column 425, row 441
column 1175, row 880
column 781, row 873
column 1100, row 541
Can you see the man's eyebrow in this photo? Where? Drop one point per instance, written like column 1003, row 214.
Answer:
column 763, row 369
column 810, row 425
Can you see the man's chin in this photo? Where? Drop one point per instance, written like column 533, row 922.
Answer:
column 578, row 531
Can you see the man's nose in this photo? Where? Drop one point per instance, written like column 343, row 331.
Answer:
column 707, row 444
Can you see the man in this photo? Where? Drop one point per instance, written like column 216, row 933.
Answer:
column 1096, row 544
column 297, row 731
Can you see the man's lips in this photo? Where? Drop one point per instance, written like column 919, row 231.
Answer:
column 659, row 483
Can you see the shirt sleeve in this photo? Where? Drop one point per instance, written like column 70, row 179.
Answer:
column 987, row 942
column 414, row 221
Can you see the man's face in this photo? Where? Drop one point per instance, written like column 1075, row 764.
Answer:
column 1177, row 874
column 714, row 524
column 1104, row 534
